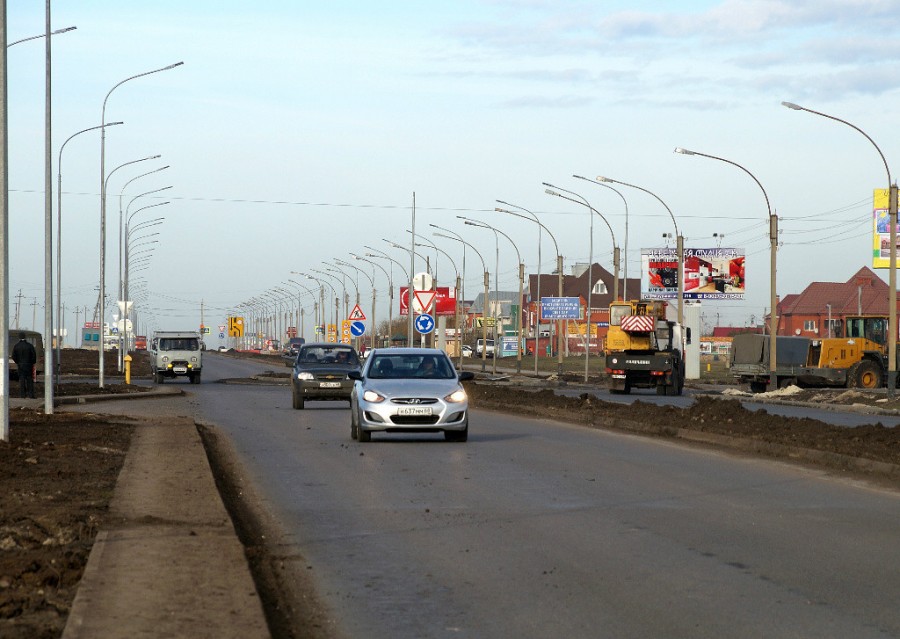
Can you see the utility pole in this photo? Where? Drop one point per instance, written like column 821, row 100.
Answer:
column 34, row 305
column 18, row 306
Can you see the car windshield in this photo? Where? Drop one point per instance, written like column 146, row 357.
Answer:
column 428, row 366
column 179, row 344
column 327, row 355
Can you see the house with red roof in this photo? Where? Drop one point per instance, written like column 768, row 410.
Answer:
column 820, row 310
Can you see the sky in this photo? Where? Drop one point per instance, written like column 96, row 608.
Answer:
column 297, row 133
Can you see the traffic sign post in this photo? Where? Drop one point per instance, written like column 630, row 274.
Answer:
column 357, row 314
column 357, row 329
column 424, row 324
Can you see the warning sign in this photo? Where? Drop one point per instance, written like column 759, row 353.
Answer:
column 357, row 314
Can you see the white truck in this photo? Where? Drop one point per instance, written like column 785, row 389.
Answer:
column 176, row 354
column 479, row 347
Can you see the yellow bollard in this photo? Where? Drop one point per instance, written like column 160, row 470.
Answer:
column 127, row 369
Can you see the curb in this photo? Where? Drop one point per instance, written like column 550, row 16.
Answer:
column 84, row 399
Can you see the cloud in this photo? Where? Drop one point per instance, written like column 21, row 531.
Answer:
column 544, row 102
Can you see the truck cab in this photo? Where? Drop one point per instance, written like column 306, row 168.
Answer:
column 176, row 354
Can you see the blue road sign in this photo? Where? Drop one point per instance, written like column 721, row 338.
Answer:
column 424, row 323
column 560, row 308
column 357, row 328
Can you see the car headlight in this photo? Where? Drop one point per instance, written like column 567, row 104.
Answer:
column 305, row 376
column 456, row 396
column 373, row 397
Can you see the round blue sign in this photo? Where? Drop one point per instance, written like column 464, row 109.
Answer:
column 357, row 328
column 424, row 323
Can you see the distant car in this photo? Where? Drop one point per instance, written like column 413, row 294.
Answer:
column 409, row 390
column 479, row 347
column 321, row 371
column 466, row 350
column 293, row 345
column 222, row 349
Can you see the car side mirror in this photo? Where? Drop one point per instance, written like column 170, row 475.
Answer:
column 466, row 375
column 355, row 375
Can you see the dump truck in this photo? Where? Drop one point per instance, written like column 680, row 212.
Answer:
column 644, row 348
column 855, row 359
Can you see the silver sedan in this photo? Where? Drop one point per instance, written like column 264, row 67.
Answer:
column 411, row 390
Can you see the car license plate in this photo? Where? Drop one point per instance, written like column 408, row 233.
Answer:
column 414, row 410
column 179, row 370
column 329, row 384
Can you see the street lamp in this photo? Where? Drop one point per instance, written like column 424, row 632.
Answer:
column 103, row 208
column 892, row 276
column 679, row 242
column 59, row 319
column 625, row 248
column 42, row 35
column 550, row 191
column 390, row 280
column 487, row 283
column 773, row 251
column 521, row 269
column 456, row 297
column 559, row 269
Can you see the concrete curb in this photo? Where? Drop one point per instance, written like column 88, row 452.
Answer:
column 104, row 397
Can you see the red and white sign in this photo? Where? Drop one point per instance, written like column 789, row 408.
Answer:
column 444, row 300
column 638, row 324
column 423, row 301
column 357, row 314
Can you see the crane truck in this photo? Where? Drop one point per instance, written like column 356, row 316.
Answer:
column 644, row 348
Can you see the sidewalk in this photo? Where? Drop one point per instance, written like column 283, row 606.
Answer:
column 170, row 563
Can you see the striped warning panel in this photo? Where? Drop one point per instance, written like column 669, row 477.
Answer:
column 638, row 324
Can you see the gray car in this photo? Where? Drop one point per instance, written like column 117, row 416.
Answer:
column 321, row 372
column 411, row 390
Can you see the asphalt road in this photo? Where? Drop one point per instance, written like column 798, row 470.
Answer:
column 535, row 528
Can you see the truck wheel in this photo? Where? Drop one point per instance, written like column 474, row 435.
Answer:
column 297, row 400
column 758, row 387
column 865, row 374
column 159, row 378
column 195, row 378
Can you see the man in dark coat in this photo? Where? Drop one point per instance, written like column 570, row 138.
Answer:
column 25, row 358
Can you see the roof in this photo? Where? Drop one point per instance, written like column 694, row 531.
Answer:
column 580, row 285
column 864, row 292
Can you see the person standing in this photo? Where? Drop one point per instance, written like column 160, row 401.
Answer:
column 25, row 358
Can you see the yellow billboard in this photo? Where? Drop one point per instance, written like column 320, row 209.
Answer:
column 881, row 230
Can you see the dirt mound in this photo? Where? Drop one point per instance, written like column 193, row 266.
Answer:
column 875, row 442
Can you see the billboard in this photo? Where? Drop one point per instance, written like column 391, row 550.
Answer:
column 881, row 230
column 709, row 273
column 444, row 302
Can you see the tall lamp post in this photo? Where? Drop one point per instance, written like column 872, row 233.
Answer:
column 773, row 251
column 103, row 208
column 559, row 268
column 390, row 281
column 625, row 247
column 679, row 240
column 487, row 283
column 59, row 319
column 550, row 191
column 892, row 276
column 521, row 269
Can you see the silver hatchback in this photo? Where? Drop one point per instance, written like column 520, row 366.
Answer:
column 411, row 390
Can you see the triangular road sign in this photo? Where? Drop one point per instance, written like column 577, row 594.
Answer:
column 425, row 300
column 357, row 314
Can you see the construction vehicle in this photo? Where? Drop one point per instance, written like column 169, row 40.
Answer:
column 855, row 359
column 644, row 348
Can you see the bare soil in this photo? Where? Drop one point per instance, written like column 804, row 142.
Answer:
column 59, row 471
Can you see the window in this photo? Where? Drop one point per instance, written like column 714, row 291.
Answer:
column 809, row 325
column 599, row 288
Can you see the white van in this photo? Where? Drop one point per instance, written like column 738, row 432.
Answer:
column 479, row 346
column 176, row 354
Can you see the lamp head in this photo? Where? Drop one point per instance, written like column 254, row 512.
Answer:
column 600, row 178
column 550, row 192
column 682, row 151
column 791, row 105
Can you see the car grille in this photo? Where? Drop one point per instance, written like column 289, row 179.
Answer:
column 415, row 419
column 331, row 377
column 414, row 400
